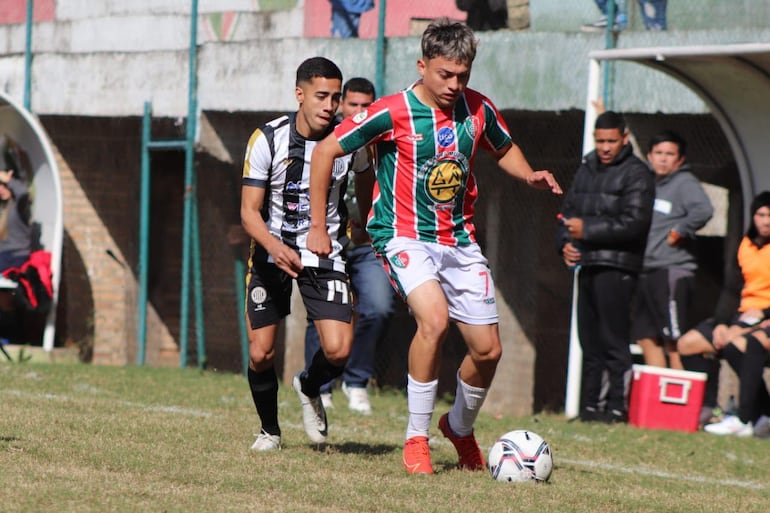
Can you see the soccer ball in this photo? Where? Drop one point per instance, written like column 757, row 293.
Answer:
column 520, row 456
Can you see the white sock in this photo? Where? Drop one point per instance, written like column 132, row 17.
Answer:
column 420, row 400
column 468, row 401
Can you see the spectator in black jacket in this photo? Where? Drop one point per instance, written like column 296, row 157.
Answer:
column 605, row 220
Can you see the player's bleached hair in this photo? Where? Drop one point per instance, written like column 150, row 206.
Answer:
column 317, row 67
column 449, row 39
column 358, row 85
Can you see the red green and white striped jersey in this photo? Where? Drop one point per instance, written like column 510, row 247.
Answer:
column 425, row 188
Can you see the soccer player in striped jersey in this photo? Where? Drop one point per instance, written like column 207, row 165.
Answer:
column 421, row 224
column 275, row 212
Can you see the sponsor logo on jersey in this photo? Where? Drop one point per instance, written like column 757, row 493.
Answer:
column 414, row 137
column 445, row 137
column 293, row 186
column 358, row 118
column 400, row 260
column 444, row 181
column 287, row 162
column 258, row 296
column 489, row 301
column 292, row 206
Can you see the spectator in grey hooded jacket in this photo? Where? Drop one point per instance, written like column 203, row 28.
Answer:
column 666, row 284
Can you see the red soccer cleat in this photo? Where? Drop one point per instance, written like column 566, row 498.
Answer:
column 417, row 456
column 466, row 446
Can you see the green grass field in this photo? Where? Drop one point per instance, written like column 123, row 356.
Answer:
column 82, row 438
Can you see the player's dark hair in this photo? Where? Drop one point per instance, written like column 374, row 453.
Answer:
column 449, row 39
column 317, row 67
column 358, row 85
column 669, row 136
column 610, row 120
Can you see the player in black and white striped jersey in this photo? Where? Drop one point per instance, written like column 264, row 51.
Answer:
column 275, row 212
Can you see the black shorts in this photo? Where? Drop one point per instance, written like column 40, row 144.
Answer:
column 706, row 327
column 325, row 293
column 661, row 306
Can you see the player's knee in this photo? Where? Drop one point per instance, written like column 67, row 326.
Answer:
column 261, row 360
column 690, row 343
column 490, row 355
column 434, row 328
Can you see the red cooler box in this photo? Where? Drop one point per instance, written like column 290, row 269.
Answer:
column 664, row 398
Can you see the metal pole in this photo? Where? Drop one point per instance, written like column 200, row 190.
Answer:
column 609, row 67
column 198, row 285
column 28, row 57
column 575, row 358
column 144, row 235
column 189, row 188
column 240, row 294
column 380, row 72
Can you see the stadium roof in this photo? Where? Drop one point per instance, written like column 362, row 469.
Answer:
column 734, row 82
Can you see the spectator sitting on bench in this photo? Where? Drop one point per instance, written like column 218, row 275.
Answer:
column 747, row 285
column 15, row 228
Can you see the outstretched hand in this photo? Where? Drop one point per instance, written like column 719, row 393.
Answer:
column 544, row 181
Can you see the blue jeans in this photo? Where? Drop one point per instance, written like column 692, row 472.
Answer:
column 375, row 303
column 345, row 23
column 653, row 14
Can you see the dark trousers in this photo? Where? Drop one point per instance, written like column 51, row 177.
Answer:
column 604, row 302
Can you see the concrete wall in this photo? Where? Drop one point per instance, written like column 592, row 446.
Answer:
column 247, row 61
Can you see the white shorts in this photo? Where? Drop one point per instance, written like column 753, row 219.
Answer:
column 461, row 271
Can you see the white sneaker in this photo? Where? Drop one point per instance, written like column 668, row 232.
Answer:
column 266, row 442
column 7, row 283
column 730, row 425
column 326, row 400
column 313, row 413
column 358, row 399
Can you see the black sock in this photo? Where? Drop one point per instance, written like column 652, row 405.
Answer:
column 264, row 392
column 319, row 373
column 752, row 390
column 699, row 363
column 733, row 356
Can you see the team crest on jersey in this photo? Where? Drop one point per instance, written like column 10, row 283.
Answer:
column 258, row 297
column 472, row 126
column 400, row 260
column 445, row 137
column 358, row 118
column 340, row 167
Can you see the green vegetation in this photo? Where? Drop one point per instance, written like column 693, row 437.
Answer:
column 82, row 438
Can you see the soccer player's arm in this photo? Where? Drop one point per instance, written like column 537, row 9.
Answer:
column 253, row 193
column 321, row 163
column 510, row 157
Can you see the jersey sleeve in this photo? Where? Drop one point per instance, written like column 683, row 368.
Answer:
column 496, row 134
column 258, row 160
column 373, row 124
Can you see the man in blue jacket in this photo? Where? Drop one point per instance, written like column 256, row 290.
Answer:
column 606, row 216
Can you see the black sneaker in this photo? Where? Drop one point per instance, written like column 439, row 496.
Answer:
column 616, row 417
column 591, row 414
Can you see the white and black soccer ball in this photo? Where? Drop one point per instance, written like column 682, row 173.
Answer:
column 520, row 456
